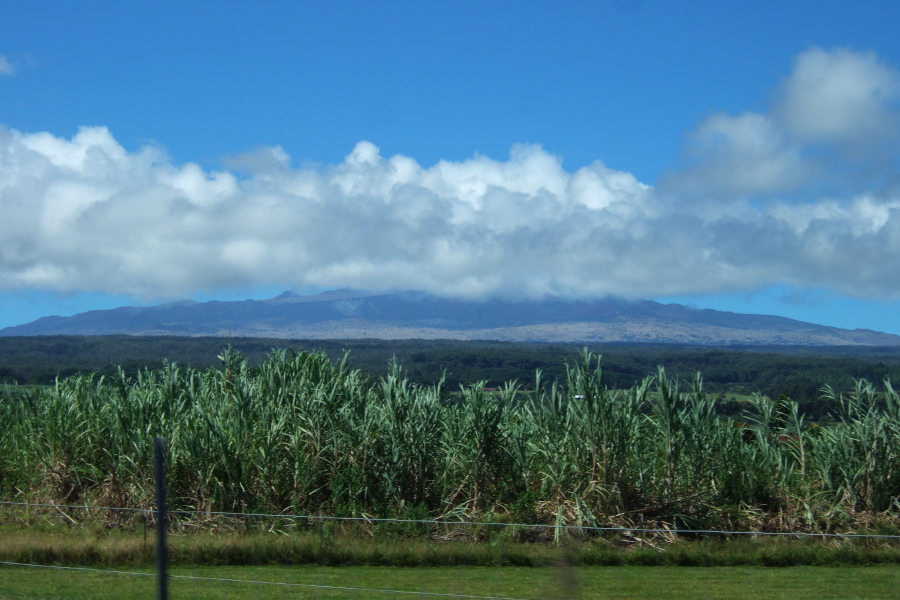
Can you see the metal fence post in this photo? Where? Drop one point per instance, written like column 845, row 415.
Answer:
column 162, row 517
column 321, row 540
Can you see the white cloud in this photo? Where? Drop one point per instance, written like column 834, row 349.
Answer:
column 741, row 156
column 757, row 206
column 840, row 97
column 6, row 67
column 835, row 119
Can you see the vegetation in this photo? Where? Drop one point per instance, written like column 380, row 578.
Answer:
column 303, row 434
column 731, row 374
column 815, row 583
column 87, row 546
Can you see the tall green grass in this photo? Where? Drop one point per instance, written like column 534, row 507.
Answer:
column 302, row 434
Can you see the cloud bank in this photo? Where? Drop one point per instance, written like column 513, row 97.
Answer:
column 804, row 194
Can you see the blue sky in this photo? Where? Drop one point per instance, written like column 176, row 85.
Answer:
column 733, row 155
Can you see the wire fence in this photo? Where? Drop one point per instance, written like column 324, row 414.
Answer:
column 80, row 514
column 313, row 519
column 257, row 582
column 162, row 518
column 160, row 512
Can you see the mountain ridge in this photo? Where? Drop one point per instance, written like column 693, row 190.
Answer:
column 354, row 314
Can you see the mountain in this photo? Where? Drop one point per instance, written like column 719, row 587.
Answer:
column 349, row 314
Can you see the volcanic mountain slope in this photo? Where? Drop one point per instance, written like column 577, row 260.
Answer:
column 347, row 314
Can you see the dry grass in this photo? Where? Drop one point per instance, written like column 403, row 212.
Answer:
column 103, row 548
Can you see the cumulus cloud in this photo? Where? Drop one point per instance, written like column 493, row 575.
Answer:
column 750, row 210
column 840, row 97
column 743, row 155
column 6, row 67
column 85, row 214
column 834, row 126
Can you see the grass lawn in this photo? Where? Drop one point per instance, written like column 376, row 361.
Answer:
column 819, row 583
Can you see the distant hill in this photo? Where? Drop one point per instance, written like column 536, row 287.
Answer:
column 348, row 314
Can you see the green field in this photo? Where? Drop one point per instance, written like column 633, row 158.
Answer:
column 98, row 548
column 798, row 372
column 819, row 583
column 302, row 434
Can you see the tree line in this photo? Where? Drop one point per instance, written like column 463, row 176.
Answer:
column 731, row 373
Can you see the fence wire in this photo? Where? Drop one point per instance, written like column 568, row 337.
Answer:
column 582, row 528
column 258, row 582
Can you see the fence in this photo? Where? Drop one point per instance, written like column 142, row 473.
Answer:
column 582, row 529
column 160, row 516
